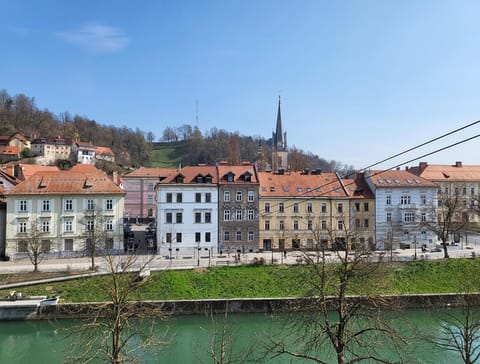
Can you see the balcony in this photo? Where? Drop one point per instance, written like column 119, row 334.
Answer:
column 410, row 206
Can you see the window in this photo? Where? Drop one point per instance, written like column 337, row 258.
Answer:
column 389, row 217
column 340, row 208
column 198, row 237
column 340, row 225
column 68, row 226
column 250, row 215
column 169, row 197
column 295, row 224
column 409, row 217
column 168, row 218
column 208, row 217
column 456, row 191
column 357, row 206
column 46, row 205
column 423, row 199
column 250, row 236
column 45, row 246
column 22, row 227
column 226, row 196
column 405, row 200
column 267, row 224
column 168, row 237
column 251, row 196
column 150, row 187
column 68, row 245
column 295, row 207
column 238, row 235
column 178, row 217
column 68, row 205
column 45, row 226
column 208, row 237
column 238, row 196
column 238, row 215
column 109, row 204
column 90, row 204
column 179, row 237
column 365, row 206
column 446, row 190
column 357, row 223
column 22, row 247
column 198, row 217
column 281, row 207
column 423, row 235
column 109, row 244
column 472, row 191
column 150, row 199
column 23, row 206
column 109, row 224
column 226, row 215
column 309, row 207
column 267, row 207
column 281, row 225
column 389, row 200
column 324, row 224
column 366, row 223
column 226, row 235
column 464, row 190
column 198, row 197
column 90, row 225
column 324, row 207
column 208, row 197
column 423, row 217
column 310, row 225
column 179, row 198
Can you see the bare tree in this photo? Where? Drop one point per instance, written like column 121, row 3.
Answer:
column 109, row 334
column 222, row 338
column 95, row 233
column 446, row 219
column 329, row 325
column 35, row 245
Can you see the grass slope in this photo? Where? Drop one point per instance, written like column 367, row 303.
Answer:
column 168, row 155
column 271, row 281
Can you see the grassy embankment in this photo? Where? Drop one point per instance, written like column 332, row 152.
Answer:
column 167, row 155
column 442, row 276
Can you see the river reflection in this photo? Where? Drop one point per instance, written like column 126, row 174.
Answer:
column 46, row 342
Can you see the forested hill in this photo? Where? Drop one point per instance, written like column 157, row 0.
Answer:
column 184, row 145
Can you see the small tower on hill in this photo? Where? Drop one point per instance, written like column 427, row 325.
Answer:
column 279, row 144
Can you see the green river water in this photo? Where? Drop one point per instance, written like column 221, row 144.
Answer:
column 31, row 342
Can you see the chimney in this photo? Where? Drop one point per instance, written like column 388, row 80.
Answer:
column 458, row 164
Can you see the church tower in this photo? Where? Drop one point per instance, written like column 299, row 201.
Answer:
column 279, row 145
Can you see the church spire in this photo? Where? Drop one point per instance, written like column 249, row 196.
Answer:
column 279, row 138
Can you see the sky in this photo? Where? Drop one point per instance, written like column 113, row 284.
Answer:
column 359, row 80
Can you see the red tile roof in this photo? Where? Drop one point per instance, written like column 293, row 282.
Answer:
column 238, row 172
column 27, row 170
column 297, row 184
column 11, row 150
column 104, row 151
column 190, row 173
column 358, row 188
column 444, row 173
column 81, row 179
column 398, row 178
column 150, row 172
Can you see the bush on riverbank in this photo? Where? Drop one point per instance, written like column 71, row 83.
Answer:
column 418, row 277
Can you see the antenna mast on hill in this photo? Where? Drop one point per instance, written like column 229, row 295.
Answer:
column 196, row 114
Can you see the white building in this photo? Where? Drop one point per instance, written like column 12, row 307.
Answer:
column 187, row 208
column 83, row 153
column 51, row 150
column 404, row 205
column 63, row 205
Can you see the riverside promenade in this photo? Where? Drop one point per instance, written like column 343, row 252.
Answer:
column 79, row 264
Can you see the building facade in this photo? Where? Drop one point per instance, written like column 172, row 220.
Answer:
column 63, row 206
column 187, row 206
column 238, row 208
column 404, row 206
column 302, row 210
column 139, row 185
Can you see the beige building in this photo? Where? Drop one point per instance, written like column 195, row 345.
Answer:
column 64, row 206
column 454, row 180
column 302, row 210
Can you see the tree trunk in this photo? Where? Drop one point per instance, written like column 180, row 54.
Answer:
column 445, row 250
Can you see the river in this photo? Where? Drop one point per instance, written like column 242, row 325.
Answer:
column 46, row 342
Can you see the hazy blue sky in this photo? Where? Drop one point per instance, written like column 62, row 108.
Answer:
column 359, row 80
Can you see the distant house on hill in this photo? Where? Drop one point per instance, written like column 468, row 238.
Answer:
column 51, row 150
column 104, row 153
column 83, row 152
column 9, row 153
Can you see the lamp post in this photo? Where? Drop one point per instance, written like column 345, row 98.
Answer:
column 415, row 243
column 198, row 254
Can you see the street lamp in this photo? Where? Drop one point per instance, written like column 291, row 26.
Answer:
column 198, row 254
column 415, row 243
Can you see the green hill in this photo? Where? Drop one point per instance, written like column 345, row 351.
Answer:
column 168, row 155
